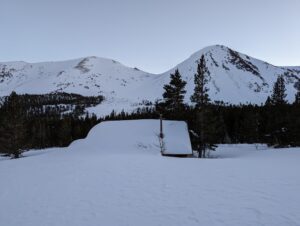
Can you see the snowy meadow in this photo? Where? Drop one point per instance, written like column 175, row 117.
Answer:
column 97, row 182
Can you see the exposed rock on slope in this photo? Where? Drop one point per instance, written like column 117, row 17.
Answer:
column 234, row 78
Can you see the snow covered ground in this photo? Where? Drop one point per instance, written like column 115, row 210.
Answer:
column 90, row 183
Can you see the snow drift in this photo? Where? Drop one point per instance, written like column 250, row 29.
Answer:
column 131, row 136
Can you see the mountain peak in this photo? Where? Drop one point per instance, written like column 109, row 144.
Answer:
column 209, row 49
column 234, row 78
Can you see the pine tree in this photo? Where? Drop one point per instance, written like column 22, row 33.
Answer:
column 268, row 101
column 13, row 129
column 174, row 93
column 65, row 132
column 297, row 96
column 276, row 127
column 204, row 118
column 279, row 95
column 200, row 96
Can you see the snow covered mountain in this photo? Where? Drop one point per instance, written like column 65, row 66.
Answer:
column 234, row 78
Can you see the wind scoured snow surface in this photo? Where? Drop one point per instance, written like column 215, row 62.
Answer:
column 108, row 179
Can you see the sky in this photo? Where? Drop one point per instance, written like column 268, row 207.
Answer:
column 152, row 35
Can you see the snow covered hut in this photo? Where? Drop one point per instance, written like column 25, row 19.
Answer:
column 175, row 139
column 137, row 136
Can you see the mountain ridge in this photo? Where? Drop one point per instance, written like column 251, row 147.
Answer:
column 234, row 78
column 106, row 58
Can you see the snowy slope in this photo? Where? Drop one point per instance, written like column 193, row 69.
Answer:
column 86, row 76
column 109, row 179
column 234, row 78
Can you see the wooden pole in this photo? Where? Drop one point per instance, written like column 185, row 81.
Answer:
column 161, row 134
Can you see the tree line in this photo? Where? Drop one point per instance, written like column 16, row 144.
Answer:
column 41, row 121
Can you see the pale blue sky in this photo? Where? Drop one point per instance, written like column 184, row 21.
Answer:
column 152, row 35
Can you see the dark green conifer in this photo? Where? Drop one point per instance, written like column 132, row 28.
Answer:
column 200, row 96
column 205, row 120
column 297, row 96
column 279, row 95
column 13, row 126
column 174, row 93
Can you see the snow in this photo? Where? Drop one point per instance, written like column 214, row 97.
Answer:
column 234, row 85
column 176, row 138
column 126, row 88
column 108, row 179
column 139, row 136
